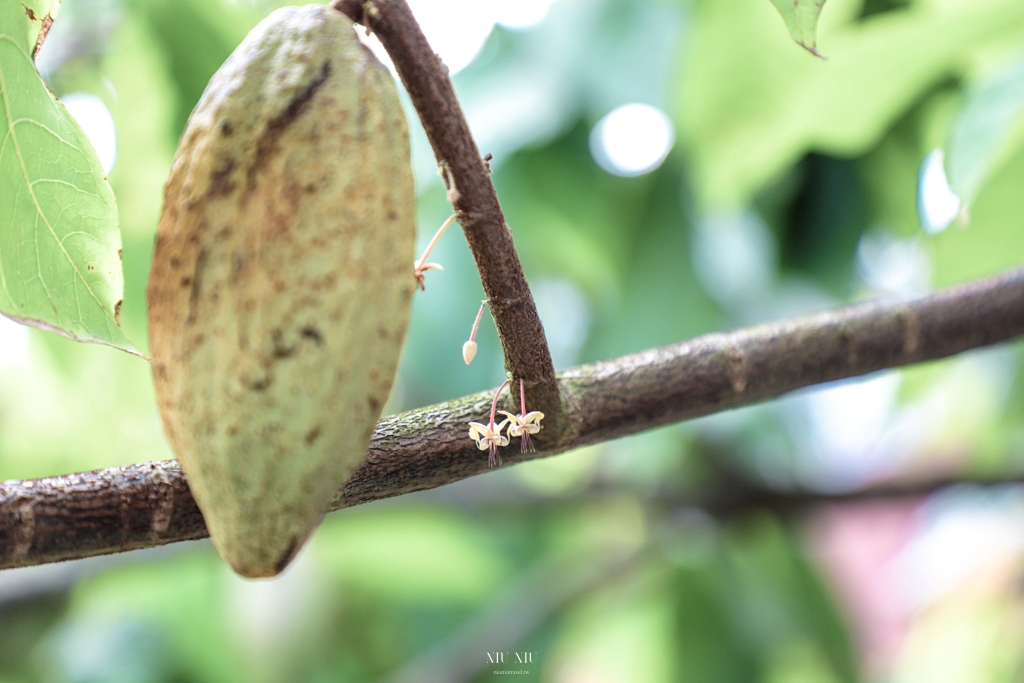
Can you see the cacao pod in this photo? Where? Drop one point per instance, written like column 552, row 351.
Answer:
column 280, row 286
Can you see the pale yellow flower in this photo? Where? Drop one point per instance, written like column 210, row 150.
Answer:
column 523, row 426
column 489, row 438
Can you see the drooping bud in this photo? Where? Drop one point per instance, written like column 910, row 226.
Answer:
column 469, row 351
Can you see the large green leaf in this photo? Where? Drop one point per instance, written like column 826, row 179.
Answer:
column 987, row 130
column 801, row 17
column 60, row 249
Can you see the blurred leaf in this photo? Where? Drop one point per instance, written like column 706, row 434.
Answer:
column 144, row 112
column 780, row 599
column 22, row 625
column 988, row 128
column 196, row 36
column 60, row 257
column 404, row 554
column 801, row 17
column 889, row 176
column 751, row 110
column 625, row 638
column 709, row 647
column 753, row 604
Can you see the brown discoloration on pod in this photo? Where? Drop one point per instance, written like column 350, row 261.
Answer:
column 283, row 252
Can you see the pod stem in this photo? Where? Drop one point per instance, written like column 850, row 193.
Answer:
column 475, row 202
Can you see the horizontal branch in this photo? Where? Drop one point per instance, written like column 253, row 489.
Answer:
column 149, row 504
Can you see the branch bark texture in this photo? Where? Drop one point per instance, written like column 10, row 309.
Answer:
column 473, row 196
column 149, row 504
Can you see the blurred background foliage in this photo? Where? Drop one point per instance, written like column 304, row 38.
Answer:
column 755, row 182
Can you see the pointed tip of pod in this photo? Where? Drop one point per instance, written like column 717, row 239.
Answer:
column 261, row 562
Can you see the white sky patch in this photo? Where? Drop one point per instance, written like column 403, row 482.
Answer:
column 937, row 204
column 632, row 140
column 93, row 116
column 519, row 15
column 14, row 344
column 456, row 29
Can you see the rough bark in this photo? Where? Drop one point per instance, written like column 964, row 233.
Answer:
column 149, row 504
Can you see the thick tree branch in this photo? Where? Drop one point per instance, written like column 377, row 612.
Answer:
column 149, row 504
column 473, row 197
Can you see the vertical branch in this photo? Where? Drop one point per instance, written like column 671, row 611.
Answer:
column 473, row 197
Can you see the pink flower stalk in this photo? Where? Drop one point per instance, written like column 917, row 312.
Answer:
column 489, row 437
column 469, row 348
column 419, row 266
column 524, row 424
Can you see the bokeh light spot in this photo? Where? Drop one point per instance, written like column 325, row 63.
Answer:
column 632, row 140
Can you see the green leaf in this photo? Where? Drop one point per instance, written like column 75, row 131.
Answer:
column 60, row 249
column 801, row 17
column 986, row 131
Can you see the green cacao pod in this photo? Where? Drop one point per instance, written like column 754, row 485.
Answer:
column 281, row 280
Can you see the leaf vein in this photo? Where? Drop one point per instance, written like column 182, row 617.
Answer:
column 40, row 215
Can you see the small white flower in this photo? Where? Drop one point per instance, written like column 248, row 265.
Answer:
column 418, row 270
column 524, row 426
column 489, row 438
